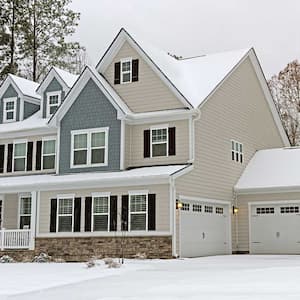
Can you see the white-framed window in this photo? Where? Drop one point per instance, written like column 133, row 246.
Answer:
column 197, row 207
column 53, row 102
column 265, row 210
column 185, row 206
column 208, row 209
column 138, row 210
column 289, row 209
column 89, row 148
column 126, row 70
column 9, row 110
column 48, row 153
column 19, row 156
column 24, row 211
column 159, row 137
column 237, row 151
column 219, row 210
column 65, row 213
column 100, row 211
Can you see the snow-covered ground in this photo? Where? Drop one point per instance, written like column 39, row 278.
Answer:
column 220, row 277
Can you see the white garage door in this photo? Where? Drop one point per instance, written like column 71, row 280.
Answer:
column 204, row 229
column 275, row 228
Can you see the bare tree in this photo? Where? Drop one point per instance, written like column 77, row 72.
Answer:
column 285, row 89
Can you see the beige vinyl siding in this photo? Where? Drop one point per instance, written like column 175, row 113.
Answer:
column 243, row 217
column 134, row 155
column 238, row 110
column 33, row 139
column 10, row 211
column 162, row 204
column 149, row 93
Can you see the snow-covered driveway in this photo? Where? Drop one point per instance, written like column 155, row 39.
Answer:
column 222, row 277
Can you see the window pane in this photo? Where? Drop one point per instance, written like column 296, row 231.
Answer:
column 98, row 139
column 53, row 99
column 48, row 162
column 53, row 109
column 20, row 149
column 98, row 156
column 126, row 77
column 65, row 206
column 49, row 147
column 159, row 149
column 100, row 223
column 80, row 157
column 100, row 205
column 10, row 115
column 159, row 135
column 25, row 222
column 138, row 222
column 138, row 203
column 80, row 141
column 25, row 207
column 10, row 105
column 19, row 164
column 126, row 66
column 65, row 223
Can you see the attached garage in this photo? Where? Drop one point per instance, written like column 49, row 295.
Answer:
column 274, row 227
column 204, row 228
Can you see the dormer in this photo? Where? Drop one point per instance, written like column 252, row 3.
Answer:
column 53, row 90
column 18, row 99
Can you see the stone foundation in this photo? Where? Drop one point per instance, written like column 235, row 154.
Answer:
column 80, row 249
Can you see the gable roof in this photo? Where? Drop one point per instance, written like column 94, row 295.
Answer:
column 271, row 170
column 65, row 79
column 90, row 73
column 25, row 87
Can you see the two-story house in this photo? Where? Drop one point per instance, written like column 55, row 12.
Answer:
column 140, row 154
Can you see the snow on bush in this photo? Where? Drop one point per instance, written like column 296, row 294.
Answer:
column 140, row 255
column 91, row 263
column 6, row 259
column 108, row 260
column 42, row 258
column 114, row 265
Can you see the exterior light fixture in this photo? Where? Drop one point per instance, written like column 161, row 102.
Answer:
column 235, row 210
column 178, row 204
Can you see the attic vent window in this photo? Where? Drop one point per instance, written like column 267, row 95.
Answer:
column 237, row 151
column 126, row 71
column 10, row 110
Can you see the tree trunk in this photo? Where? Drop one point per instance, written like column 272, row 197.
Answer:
column 12, row 42
column 34, row 48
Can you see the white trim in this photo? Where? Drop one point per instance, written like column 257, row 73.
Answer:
column 159, row 127
column 57, row 150
column 20, row 197
column 102, row 195
column 33, row 218
column 48, row 105
column 48, row 138
column 138, row 193
column 21, row 112
column 62, row 197
column 125, row 60
column 15, row 142
column 122, row 145
column 1, row 211
column 89, row 147
column 20, row 133
column 15, row 101
column 199, row 199
column 183, row 171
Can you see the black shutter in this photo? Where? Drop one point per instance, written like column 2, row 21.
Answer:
column 77, row 214
column 172, row 141
column 88, row 214
column 10, row 148
column 117, row 73
column 53, row 214
column 38, row 159
column 2, row 150
column 29, row 156
column 113, row 213
column 147, row 143
column 151, row 211
column 124, row 223
column 135, row 70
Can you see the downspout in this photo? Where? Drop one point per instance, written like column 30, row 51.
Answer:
column 236, row 222
column 192, row 122
column 172, row 192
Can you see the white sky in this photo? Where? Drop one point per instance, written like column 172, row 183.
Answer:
column 194, row 27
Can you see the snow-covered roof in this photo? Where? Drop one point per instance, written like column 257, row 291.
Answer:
column 26, row 87
column 67, row 77
column 271, row 170
column 138, row 176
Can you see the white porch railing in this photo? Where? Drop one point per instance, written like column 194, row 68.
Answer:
column 15, row 239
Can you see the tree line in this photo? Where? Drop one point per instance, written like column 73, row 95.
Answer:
column 35, row 35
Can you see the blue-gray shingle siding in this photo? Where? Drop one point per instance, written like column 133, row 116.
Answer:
column 91, row 109
column 30, row 109
column 53, row 86
column 9, row 93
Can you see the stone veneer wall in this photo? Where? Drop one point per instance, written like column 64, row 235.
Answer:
column 80, row 249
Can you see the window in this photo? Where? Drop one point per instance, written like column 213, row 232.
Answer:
column 219, row 210
column 48, row 153
column 159, row 141
column 237, row 151
column 100, row 211
column 65, row 213
column 25, row 212
column 265, row 210
column 289, row 209
column 10, row 110
column 89, row 147
column 138, row 211
column 126, row 70
column 53, row 102
column 208, row 209
column 185, row 206
column 197, row 208
column 20, row 156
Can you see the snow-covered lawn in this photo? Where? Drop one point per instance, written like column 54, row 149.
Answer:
column 220, row 277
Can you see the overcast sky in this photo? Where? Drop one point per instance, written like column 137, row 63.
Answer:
column 194, row 27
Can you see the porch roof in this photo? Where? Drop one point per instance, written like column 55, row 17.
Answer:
column 138, row 176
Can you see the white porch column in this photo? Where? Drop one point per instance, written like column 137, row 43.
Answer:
column 34, row 198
